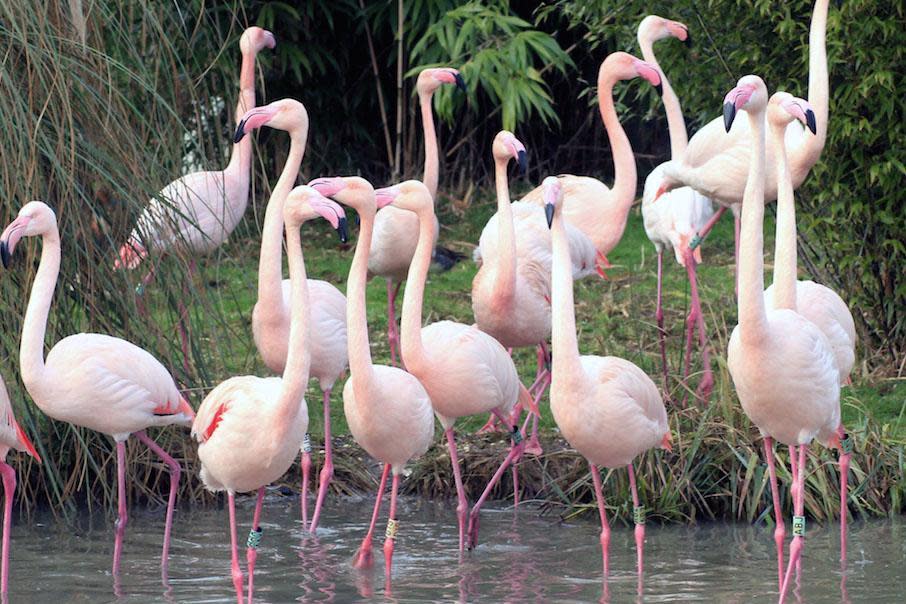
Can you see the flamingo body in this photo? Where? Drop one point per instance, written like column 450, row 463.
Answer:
column 678, row 216
column 12, row 437
column 393, row 245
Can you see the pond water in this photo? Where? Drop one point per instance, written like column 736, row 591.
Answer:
column 523, row 557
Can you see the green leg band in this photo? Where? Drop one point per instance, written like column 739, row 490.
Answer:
column 392, row 528
column 638, row 514
column 847, row 446
column 516, row 435
column 254, row 539
column 798, row 526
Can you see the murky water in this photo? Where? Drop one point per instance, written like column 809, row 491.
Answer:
column 522, row 558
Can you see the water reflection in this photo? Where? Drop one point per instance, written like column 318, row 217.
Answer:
column 522, row 558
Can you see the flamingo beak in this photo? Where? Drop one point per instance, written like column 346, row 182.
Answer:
column 240, row 131
column 328, row 187
column 460, row 83
column 269, row 40
column 549, row 214
column 386, row 196
column 688, row 40
column 729, row 115
column 10, row 237
column 810, row 121
column 522, row 159
column 342, row 231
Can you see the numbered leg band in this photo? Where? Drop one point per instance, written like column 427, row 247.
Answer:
column 638, row 514
column 254, row 539
column 798, row 526
column 306, row 443
column 392, row 527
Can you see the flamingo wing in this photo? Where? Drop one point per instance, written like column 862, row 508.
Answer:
column 11, row 434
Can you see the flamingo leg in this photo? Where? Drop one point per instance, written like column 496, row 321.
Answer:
column 327, row 470
column 306, row 473
column 639, row 517
column 602, row 263
column 798, row 524
column 845, row 455
column 512, row 457
column 533, row 445
column 392, row 330
column 173, row 466
column 363, row 558
column 9, row 491
column 462, row 506
column 251, row 550
column 235, row 571
column 123, row 515
column 707, row 383
column 605, row 526
column 392, row 525
column 659, row 317
column 779, row 527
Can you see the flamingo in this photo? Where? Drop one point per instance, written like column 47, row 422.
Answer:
column 380, row 402
column 92, row 380
column 801, row 399
column 395, row 231
column 271, row 314
column 464, row 370
column 199, row 211
column 598, row 211
column 511, row 291
column 249, row 428
column 715, row 162
column 674, row 225
column 12, row 436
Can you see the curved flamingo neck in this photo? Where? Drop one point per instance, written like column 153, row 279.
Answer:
column 504, row 265
column 413, row 349
column 752, row 315
column 679, row 139
column 241, row 155
column 807, row 152
column 270, row 263
column 34, row 327
column 432, row 161
column 624, row 179
column 361, row 369
column 298, row 358
column 785, row 238
column 564, row 340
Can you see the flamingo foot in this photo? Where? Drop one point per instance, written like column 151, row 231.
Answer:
column 706, row 386
column 325, row 477
column 490, row 426
column 388, row 557
column 473, row 530
column 795, row 555
column 364, row 557
column 533, row 445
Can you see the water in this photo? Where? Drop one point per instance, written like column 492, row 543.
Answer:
column 536, row 559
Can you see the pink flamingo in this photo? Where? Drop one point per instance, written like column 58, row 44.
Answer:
column 381, row 402
column 12, row 436
column 801, row 400
column 249, row 428
column 271, row 315
column 91, row 380
column 199, row 211
column 598, row 211
column 674, row 225
column 395, row 231
column 511, row 291
column 464, row 370
column 606, row 407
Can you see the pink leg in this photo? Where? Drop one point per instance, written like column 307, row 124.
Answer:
column 251, row 551
column 659, row 317
column 843, row 461
column 511, row 458
column 798, row 524
column 794, row 471
column 391, row 528
column 392, row 331
column 490, row 425
column 779, row 527
column 235, row 571
column 533, row 445
column 173, row 465
column 306, row 473
column 711, row 222
column 605, row 526
column 707, row 383
column 363, row 558
column 639, row 516
column 602, row 263
column 123, row 518
column 462, row 507
column 9, row 491
column 327, row 470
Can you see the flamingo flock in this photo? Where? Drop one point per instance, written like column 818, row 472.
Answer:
column 789, row 356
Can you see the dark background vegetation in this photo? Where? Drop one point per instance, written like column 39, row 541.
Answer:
column 105, row 101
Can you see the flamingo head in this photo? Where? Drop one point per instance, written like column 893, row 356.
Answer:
column 750, row 94
column 506, row 147
column 286, row 114
column 432, row 78
column 254, row 39
column 552, row 191
column 624, row 66
column 35, row 218
column 783, row 108
column 411, row 195
column 304, row 203
column 352, row 191
column 654, row 28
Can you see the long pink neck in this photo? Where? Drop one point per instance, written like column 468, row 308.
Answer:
column 241, row 155
column 806, row 154
column 34, row 328
column 361, row 369
column 432, row 161
column 270, row 263
column 752, row 316
column 298, row 358
column 679, row 139
column 785, row 238
column 564, row 341
column 414, row 354
column 624, row 181
column 504, row 265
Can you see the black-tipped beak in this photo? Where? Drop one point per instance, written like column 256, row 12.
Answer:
column 688, row 40
column 341, row 230
column 522, row 159
column 4, row 254
column 460, row 83
column 660, row 89
column 240, row 132
column 549, row 214
column 810, row 121
column 729, row 115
